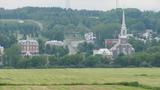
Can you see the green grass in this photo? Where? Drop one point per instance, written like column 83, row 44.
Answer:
column 79, row 79
column 79, row 87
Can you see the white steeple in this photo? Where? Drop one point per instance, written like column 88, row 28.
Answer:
column 123, row 27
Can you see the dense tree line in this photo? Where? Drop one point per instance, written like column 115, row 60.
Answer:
column 13, row 59
column 82, row 61
column 58, row 21
column 139, row 60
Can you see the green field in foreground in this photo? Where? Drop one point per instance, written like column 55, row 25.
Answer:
column 79, row 87
column 78, row 79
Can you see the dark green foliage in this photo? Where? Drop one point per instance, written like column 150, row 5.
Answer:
column 58, row 51
column 86, row 47
column 12, row 56
column 139, row 60
column 53, row 60
column 37, row 61
column 71, row 60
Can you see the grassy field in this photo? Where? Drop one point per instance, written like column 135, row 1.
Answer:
column 80, row 79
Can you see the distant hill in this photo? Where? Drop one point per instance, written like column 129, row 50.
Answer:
column 57, row 21
column 136, row 19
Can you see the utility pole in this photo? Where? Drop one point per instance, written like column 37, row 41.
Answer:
column 67, row 4
column 117, row 4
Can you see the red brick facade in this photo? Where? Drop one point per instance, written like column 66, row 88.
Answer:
column 29, row 46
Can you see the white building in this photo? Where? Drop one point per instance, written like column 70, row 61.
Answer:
column 148, row 34
column 89, row 37
column 55, row 43
column 1, row 50
column 157, row 39
column 104, row 52
column 29, row 47
column 1, row 53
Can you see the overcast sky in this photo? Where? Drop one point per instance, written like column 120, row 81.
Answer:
column 84, row 4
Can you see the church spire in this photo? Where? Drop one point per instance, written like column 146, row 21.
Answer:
column 123, row 27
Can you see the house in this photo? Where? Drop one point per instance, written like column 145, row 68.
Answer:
column 55, row 43
column 104, row 52
column 148, row 34
column 90, row 37
column 29, row 47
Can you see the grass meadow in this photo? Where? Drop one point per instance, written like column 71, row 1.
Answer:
column 80, row 79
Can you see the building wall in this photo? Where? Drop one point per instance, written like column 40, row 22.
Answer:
column 29, row 46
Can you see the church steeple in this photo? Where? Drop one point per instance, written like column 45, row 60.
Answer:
column 122, row 46
column 123, row 27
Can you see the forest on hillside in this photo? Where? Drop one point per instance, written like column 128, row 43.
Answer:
column 58, row 20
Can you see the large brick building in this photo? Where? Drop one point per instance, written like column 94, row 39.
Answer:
column 29, row 47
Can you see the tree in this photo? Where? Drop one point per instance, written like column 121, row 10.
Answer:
column 12, row 56
column 53, row 61
column 37, row 62
column 71, row 60
column 138, row 45
column 94, row 61
column 86, row 47
column 58, row 51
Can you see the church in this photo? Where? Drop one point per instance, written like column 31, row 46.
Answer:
column 122, row 46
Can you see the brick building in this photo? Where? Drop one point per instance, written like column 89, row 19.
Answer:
column 29, row 47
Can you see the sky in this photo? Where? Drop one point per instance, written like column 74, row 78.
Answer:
column 83, row 4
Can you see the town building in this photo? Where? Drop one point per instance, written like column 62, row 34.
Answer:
column 122, row 46
column 55, row 43
column 90, row 37
column 1, row 50
column 110, row 42
column 1, row 54
column 104, row 52
column 148, row 34
column 29, row 47
column 157, row 39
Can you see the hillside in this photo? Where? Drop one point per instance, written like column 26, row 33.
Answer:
column 106, row 24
